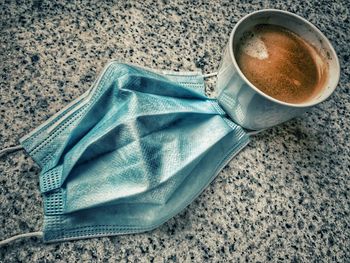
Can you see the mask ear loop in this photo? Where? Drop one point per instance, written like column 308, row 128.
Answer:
column 4, row 152
column 210, row 75
column 250, row 133
column 20, row 236
column 10, row 150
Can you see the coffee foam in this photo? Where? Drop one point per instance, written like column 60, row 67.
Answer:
column 254, row 46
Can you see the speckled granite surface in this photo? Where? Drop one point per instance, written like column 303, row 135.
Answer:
column 286, row 197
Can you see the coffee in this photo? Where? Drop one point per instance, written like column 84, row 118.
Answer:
column 281, row 64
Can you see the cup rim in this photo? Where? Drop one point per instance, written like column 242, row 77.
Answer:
column 314, row 28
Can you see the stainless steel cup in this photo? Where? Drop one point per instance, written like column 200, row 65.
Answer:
column 246, row 104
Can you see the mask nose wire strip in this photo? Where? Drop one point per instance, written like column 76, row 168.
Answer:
column 10, row 149
column 11, row 239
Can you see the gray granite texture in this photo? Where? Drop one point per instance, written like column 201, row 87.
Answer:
column 284, row 198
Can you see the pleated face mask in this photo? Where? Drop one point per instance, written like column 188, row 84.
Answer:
column 130, row 153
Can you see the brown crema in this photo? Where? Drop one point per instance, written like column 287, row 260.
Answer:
column 281, row 64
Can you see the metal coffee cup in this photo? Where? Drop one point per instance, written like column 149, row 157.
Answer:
column 246, row 104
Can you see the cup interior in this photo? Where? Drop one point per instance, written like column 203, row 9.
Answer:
column 305, row 30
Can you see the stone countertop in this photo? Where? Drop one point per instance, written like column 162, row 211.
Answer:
column 283, row 198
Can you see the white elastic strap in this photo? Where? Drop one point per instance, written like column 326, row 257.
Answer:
column 31, row 234
column 11, row 239
column 10, row 149
column 250, row 133
column 210, row 75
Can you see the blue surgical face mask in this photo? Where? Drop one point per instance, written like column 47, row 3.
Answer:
column 130, row 153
